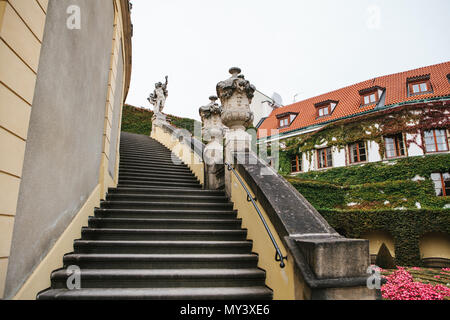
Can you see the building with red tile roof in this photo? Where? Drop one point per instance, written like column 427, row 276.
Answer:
column 423, row 95
column 393, row 91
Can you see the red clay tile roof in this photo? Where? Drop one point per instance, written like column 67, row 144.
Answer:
column 350, row 99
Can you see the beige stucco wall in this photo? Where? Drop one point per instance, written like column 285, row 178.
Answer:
column 181, row 150
column 435, row 245
column 21, row 31
column 376, row 239
column 40, row 278
column 117, row 54
column 22, row 25
column 281, row 281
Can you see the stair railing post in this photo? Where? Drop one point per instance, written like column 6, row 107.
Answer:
column 212, row 133
column 236, row 95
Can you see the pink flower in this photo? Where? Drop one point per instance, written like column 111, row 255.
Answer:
column 401, row 286
column 416, row 268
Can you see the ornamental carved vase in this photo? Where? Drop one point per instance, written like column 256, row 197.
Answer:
column 236, row 95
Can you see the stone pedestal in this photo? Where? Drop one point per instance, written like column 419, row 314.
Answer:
column 213, row 153
column 158, row 119
column 236, row 95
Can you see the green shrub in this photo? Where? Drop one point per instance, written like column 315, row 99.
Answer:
column 384, row 259
column 405, row 226
column 139, row 120
column 401, row 169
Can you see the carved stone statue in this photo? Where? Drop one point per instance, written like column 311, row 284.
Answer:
column 236, row 95
column 213, row 136
column 159, row 96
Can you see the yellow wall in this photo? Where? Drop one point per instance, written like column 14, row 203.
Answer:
column 283, row 282
column 22, row 25
column 40, row 278
column 105, row 179
column 21, row 30
column 435, row 245
column 184, row 152
column 376, row 239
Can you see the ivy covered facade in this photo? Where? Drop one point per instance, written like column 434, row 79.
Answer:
column 371, row 156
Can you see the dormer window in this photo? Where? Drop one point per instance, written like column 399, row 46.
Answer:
column 284, row 122
column 285, row 119
column 419, row 85
column 370, row 98
column 323, row 111
column 370, row 95
column 325, row 108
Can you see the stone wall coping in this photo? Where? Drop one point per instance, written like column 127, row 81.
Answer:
column 295, row 220
column 186, row 138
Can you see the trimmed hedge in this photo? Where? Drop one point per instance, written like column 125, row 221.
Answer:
column 400, row 169
column 406, row 227
column 360, row 199
column 139, row 120
column 136, row 120
column 320, row 194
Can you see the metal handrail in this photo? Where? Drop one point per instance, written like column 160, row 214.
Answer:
column 278, row 255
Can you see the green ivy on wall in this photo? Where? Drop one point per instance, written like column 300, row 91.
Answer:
column 375, row 191
column 400, row 169
column 406, row 227
column 139, row 120
column 374, row 127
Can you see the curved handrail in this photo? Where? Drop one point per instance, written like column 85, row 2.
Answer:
column 278, row 255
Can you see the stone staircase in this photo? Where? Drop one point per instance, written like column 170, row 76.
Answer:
column 159, row 235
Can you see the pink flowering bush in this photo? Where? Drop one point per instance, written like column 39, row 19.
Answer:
column 401, row 286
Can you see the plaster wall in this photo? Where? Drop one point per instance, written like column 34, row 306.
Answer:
column 64, row 145
column 260, row 109
column 435, row 245
column 21, row 29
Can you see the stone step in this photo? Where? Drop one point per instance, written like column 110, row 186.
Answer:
column 165, row 213
column 168, row 163
column 162, row 234
column 161, row 261
column 162, row 278
column 165, row 198
column 158, row 179
column 156, row 173
column 163, row 191
column 181, row 293
column 204, row 224
column 158, row 184
column 149, row 157
column 162, row 247
column 165, row 205
column 154, row 166
column 137, row 168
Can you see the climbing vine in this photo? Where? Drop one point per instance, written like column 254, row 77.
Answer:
column 406, row 227
column 373, row 127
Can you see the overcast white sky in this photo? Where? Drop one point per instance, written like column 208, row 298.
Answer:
column 284, row 46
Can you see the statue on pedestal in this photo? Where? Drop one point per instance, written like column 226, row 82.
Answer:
column 159, row 96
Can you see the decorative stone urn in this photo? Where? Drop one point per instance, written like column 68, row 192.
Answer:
column 213, row 136
column 236, row 95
